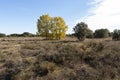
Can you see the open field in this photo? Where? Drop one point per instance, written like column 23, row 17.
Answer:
column 34, row 58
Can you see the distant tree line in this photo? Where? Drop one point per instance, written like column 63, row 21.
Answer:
column 2, row 35
column 55, row 28
column 25, row 34
column 81, row 31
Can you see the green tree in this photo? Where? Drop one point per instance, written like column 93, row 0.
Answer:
column 15, row 35
column 89, row 34
column 101, row 33
column 27, row 34
column 2, row 35
column 81, row 30
column 116, row 34
column 52, row 27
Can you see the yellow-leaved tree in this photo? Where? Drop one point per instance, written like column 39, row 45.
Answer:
column 60, row 28
column 52, row 27
column 43, row 25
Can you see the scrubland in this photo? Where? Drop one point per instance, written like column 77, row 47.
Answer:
column 69, row 59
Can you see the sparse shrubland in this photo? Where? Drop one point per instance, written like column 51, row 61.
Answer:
column 59, row 60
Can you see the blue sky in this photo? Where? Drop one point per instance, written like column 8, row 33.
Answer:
column 18, row 16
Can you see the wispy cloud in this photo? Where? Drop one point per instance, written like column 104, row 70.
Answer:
column 103, row 14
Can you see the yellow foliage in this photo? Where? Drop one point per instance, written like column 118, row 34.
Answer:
column 52, row 27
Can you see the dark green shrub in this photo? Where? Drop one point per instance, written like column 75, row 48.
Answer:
column 80, row 31
column 14, row 35
column 2, row 35
column 27, row 34
column 116, row 35
column 101, row 33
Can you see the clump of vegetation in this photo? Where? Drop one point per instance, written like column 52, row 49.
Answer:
column 24, row 34
column 116, row 35
column 81, row 31
column 2, row 35
column 51, row 27
column 101, row 33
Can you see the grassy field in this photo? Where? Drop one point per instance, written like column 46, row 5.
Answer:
column 34, row 58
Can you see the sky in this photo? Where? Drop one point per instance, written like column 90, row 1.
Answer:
column 18, row 16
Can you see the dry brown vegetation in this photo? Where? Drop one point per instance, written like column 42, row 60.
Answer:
column 38, row 59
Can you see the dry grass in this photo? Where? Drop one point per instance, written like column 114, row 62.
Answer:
column 68, row 59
